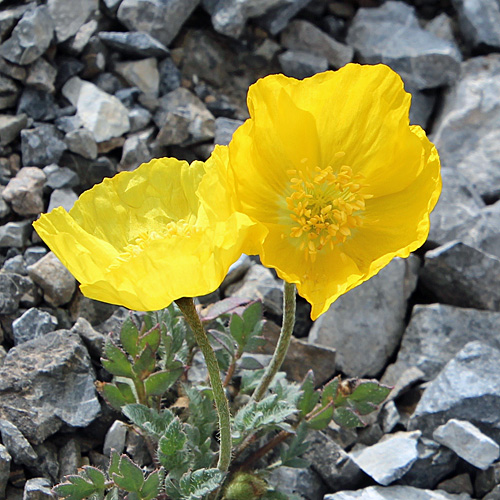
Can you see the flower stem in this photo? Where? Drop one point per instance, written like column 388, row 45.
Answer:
column 186, row 305
column 283, row 341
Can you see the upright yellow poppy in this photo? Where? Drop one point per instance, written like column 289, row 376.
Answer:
column 145, row 238
column 333, row 170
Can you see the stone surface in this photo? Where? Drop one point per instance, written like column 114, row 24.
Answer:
column 136, row 150
column 142, row 74
column 468, row 442
column 306, row 37
column 81, row 141
column 162, row 19
column 277, row 19
column 134, row 43
column 461, row 275
column 183, row 119
column 368, row 319
column 93, row 340
column 468, row 388
column 37, row 104
column 12, row 288
column 224, row 130
column 42, row 76
column 10, row 126
column 41, row 146
column 389, row 459
column 436, row 333
column 466, row 131
column 103, row 114
column 15, row 234
column 300, row 65
column 170, row 76
column 458, row 484
column 46, row 382
column 479, row 21
column 5, row 460
column 38, row 488
column 115, row 438
column 395, row 493
column 32, row 324
column 55, row 280
column 9, row 92
column 139, row 118
column 25, row 191
column 30, row 38
column 390, row 34
column 17, row 445
column 303, row 482
column 64, row 197
column 69, row 16
column 60, row 177
column 70, row 458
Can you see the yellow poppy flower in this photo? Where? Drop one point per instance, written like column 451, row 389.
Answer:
column 334, row 171
column 145, row 238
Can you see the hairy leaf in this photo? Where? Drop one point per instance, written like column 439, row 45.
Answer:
column 346, row 418
column 309, row 398
column 129, row 336
column 195, row 485
column 130, row 477
column 160, row 382
column 152, row 485
column 116, row 361
column 148, row 419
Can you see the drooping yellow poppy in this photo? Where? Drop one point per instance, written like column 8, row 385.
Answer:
column 341, row 181
column 145, row 238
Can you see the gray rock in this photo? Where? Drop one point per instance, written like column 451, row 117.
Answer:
column 468, row 442
column 5, row 460
column 103, row 114
column 60, row 177
column 224, row 130
column 42, row 76
column 436, row 333
column 468, row 388
column 139, row 118
column 170, row 76
column 33, row 254
column 37, row 104
column 137, row 448
column 83, row 37
column 486, row 480
column 135, row 44
column 183, row 119
column 422, row 105
column 46, row 382
column 10, row 126
column 17, row 445
column 457, row 484
column 464, row 276
column 54, row 279
column 68, row 124
column 479, row 21
column 298, row 64
column 303, row 482
column 64, row 197
column 81, row 141
column 38, row 488
column 466, row 131
column 70, row 458
column 162, row 19
column 9, row 17
column 434, row 462
column 93, row 340
column 277, row 19
column 12, row 288
column 136, row 150
column 69, row 16
column 389, row 459
column 142, row 74
column 391, row 34
column 15, row 234
column 9, row 92
column 32, row 324
column 332, row 463
column 260, row 284
column 15, row 265
column 442, row 27
column 115, row 438
column 25, row 191
column 304, row 36
column 30, row 38
column 389, row 417
column 41, row 145
column 369, row 319
column 47, row 464
column 395, row 493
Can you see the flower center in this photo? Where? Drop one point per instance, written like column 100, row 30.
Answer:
column 325, row 206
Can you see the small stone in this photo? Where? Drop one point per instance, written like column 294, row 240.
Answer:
column 236, row 271
column 82, row 38
column 67, row 67
column 293, row 482
column 15, row 265
column 15, row 234
column 183, row 119
column 224, row 130
column 422, row 105
column 9, row 17
column 56, row 281
column 170, row 76
column 38, row 488
column 60, row 177
column 468, row 442
column 298, row 64
column 389, row 416
column 115, row 438
column 93, row 340
column 30, row 38
column 33, row 254
column 135, row 43
column 457, row 484
column 306, row 37
column 103, row 114
column 394, row 493
column 12, row 288
column 32, row 324
column 277, row 19
column 42, row 75
column 442, row 27
column 135, row 150
column 142, row 74
column 17, row 445
column 68, row 124
column 389, row 459
column 41, row 145
column 9, row 92
column 69, row 16
column 47, row 465
column 81, row 141
column 70, row 459
column 5, row 460
column 25, row 191
column 137, row 448
column 162, row 20
column 64, row 197
column 10, row 126
column 37, row 104
column 139, row 118
column 486, row 480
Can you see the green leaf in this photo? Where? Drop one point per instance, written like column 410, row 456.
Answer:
column 117, row 362
column 367, row 395
column 129, row 335
column 148, row 419
column 195, row 485
column 113, row 494
column 152, row 485
column 75, row 488
column 236, row 328
column 145, row 364
column 114, row 463
column 252, row 315
column 174, row 438
column 157, row 384
column 249, row 363
column 113, row 396
column 151, row 338
column 330, row 390
column 321, row 419
column 130, row 477
column 346, row 418
column 97, row 477
column 309, row 398
column 225, row 340
column 296, row 447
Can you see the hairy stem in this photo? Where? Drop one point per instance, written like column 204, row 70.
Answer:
column 186, row 305
column 283, row 342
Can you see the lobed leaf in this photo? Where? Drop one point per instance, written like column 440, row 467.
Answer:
column 309, row 398
column 116, row 361
column 346, row 418
column 129, row 336
column 130, row 477
column 158, row 383
column 152, row 485
column 195, row 485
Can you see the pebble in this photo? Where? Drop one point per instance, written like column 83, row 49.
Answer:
column 224, row 130
column 32, row 324
column 38, row 488
column 298, row 64
column 115, row 438
column 41, row 145
column 5, row 460
column 81, row 141
column 142, row 74
column 15, row 234
column 37, row 104
column 25, row 191
column 134, row 43
column 10, row 126
column 395, row 493
column 69, row 16
column 64, row 197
